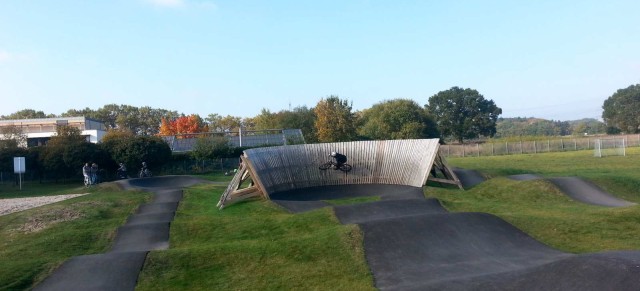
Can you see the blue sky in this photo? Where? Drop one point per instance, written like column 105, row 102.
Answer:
column 549, row 59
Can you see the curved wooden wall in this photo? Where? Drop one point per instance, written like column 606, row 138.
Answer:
column 401, row 162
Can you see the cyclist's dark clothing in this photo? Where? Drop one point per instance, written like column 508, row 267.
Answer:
column 340, row 159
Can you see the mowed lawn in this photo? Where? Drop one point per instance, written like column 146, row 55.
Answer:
column 255, row 245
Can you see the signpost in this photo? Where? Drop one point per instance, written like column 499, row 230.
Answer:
column 19, row 167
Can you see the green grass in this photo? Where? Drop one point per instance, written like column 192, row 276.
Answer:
column 35, row 241
column 216, row 176
column 255, row 246
column 619, row 175
column 33, row 189
column 541, row 210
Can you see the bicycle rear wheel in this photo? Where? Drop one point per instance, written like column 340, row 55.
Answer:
column 325, row 166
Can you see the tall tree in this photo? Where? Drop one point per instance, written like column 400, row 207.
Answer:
column 183, row 125
column 621, row 109
column 302, row 118
column 67, row 151
column 397, row 119
column 266, row 120
column 464, row 113
column 334, row 120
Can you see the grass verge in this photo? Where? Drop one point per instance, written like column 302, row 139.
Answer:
column 255, row 246
column 35, row 241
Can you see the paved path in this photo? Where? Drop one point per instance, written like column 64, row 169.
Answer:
column 144, row 231
column 415, row 244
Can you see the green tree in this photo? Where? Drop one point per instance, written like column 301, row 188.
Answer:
column 464, row 113
column 130, row 149
column 26, row 114
column 266, row 120
column 334, row 120
column 67, row 151
column 12, row 137
column 396, row 119
column 302, row 118
column 219, row 123
column 621, row 109
column 210, row 147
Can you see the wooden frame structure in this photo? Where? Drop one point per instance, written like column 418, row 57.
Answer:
column 274, row 169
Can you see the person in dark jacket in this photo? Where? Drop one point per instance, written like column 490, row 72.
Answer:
column 339, row 158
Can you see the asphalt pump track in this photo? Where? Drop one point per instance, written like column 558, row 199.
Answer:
column 145, row 230
column 413, row 243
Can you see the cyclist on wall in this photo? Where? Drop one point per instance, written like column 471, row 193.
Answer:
column 340, row 159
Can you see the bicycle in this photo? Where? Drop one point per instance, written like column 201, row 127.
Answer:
column 145, row 173
column 331, row 164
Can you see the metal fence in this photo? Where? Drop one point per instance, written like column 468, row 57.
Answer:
column 248, row 138
column 531, row 147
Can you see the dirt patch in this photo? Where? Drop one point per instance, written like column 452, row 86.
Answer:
column 8, row 206
column 41, row 221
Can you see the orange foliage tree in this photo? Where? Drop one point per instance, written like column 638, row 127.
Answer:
column 183, row 127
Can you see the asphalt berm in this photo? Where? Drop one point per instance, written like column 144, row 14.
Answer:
column 144, row 231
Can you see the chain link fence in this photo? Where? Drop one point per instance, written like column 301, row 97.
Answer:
column 531, row 147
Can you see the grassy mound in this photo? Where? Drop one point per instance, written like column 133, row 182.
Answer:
column 255, row 245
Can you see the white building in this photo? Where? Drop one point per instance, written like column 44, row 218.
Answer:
column 40, row 130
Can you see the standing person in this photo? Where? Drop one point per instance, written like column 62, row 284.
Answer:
column 86, row 172
column 122, row 171
column 94, row 173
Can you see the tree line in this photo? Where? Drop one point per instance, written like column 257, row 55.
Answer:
column 455, row 114
column 522, row 126
column 64, row 155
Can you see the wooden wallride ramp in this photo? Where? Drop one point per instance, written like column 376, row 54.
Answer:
column 268, row 170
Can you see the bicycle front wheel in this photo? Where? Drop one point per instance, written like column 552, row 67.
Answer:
column 346, row 167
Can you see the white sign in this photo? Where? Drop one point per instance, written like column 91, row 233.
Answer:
column 19, row 165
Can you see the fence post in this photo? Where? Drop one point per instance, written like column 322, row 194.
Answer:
column 493, row 152
column 478, row 148
column 535, row 147
column 548, row 146
column 575, row 145
column 507, row 146
column 463, row 151
column 520, row 147
column 588, row 143
column 448, row 151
